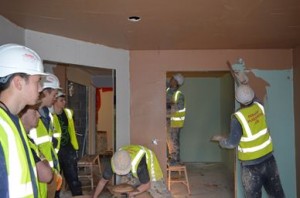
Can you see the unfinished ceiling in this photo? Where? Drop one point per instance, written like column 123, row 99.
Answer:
column 164, row 24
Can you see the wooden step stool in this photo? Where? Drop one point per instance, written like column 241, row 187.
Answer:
column 87, row 163
column 180, row 179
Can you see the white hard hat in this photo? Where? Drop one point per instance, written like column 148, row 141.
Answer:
column 60, row 93
column 50, row 81
column 121, row 162
column 244, row 94
column 179, row 78
column 16, row 58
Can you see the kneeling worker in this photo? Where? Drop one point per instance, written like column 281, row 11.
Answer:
column 142, row 164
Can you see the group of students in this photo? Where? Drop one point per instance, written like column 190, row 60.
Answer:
column 37, row 134
column 38, row 140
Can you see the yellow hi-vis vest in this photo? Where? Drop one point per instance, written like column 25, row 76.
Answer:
column 71, row 129
column 136, row 153
column 177, row 117
column 43, row 139
column 42, row 185
column 256, row 141
column 18, row 166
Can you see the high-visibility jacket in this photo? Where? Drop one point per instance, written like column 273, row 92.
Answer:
column 43, row 139
column 19, row 165
column 177, row 117
column 42, row 185
column 71, row 129
column 136, row 153
column 256, row 141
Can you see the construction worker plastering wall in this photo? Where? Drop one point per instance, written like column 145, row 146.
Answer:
column 176, row 109
column 249, row 133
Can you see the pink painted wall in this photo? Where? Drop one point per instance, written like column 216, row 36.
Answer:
column 148, row 81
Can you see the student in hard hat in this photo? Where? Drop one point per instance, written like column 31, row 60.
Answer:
column 175, row 117
column 21, row 69
column 67, row 143
column 30, row 117
column 43, row 133
column 142, row 165
column 249, row 133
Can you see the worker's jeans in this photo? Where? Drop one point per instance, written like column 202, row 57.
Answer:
column 68, row 163
column 266, row 175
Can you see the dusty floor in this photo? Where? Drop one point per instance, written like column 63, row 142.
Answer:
column 207, row 180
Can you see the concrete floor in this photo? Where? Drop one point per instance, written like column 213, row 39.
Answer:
column 207, row 180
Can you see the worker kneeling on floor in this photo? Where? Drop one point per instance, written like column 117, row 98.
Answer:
column 140, row 168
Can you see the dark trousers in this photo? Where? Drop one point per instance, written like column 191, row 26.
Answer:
column 266, row 175
column 68, row 164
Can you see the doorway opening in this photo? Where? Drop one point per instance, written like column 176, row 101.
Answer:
column 84, row 87
column 209, row 98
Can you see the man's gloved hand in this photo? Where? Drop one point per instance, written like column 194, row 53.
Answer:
column 242, row 77
column 55, row 184
column 240, row 71
column 59, row 181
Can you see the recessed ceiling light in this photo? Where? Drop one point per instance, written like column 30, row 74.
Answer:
column 134, row 18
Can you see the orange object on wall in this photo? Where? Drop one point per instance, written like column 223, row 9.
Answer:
column 98, row 98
